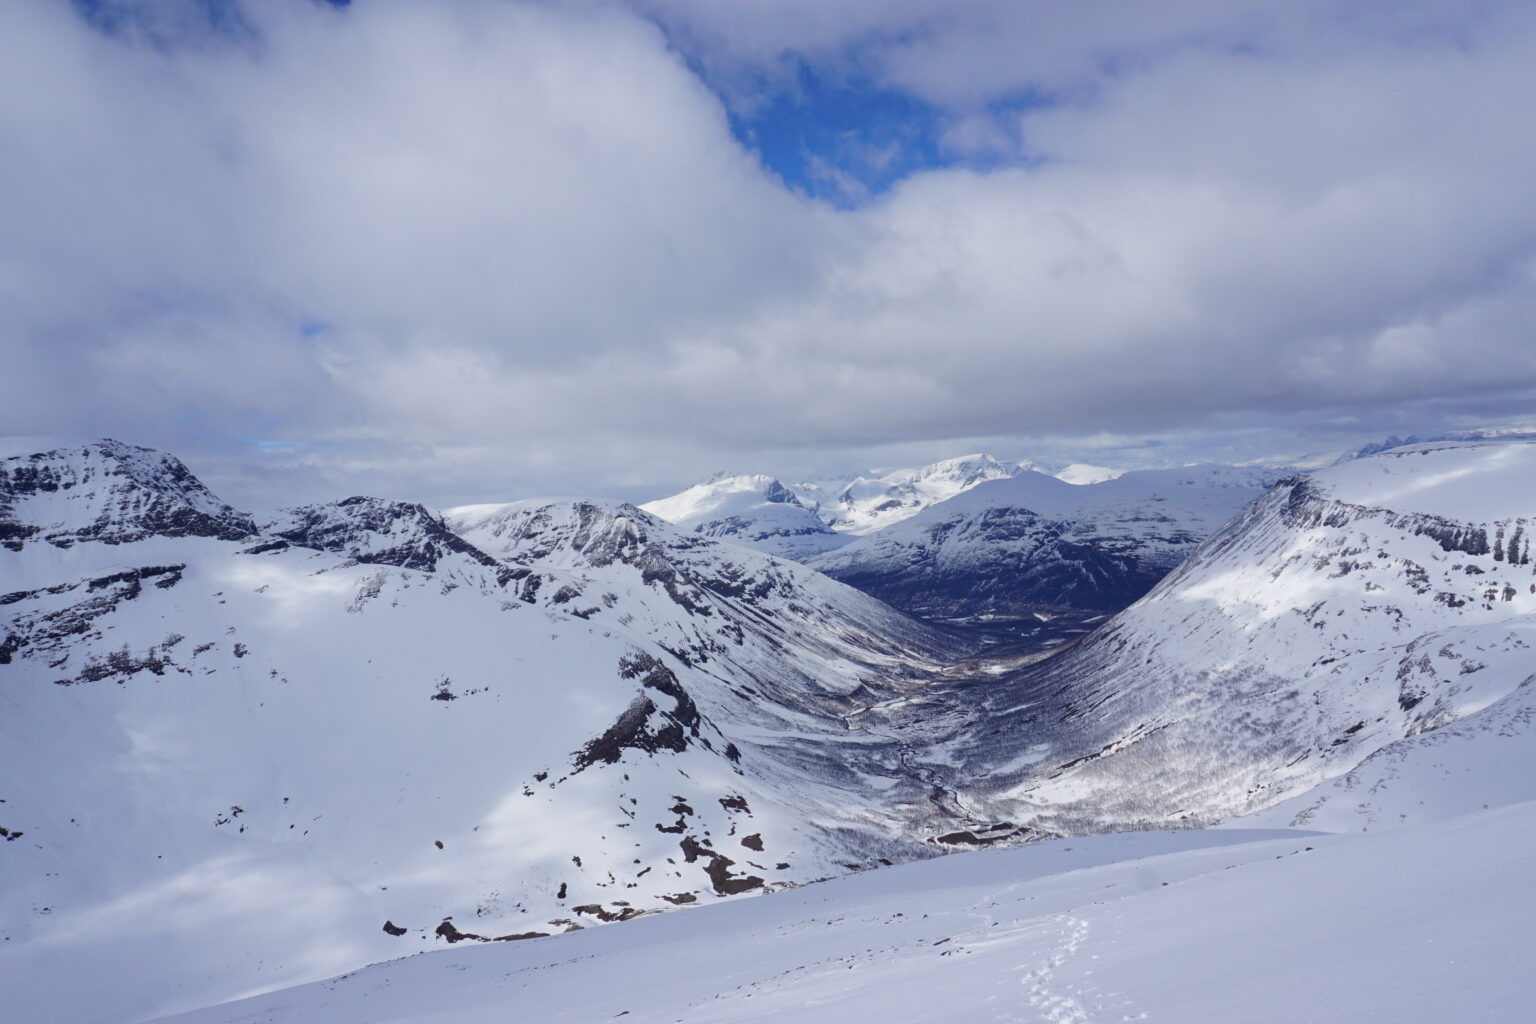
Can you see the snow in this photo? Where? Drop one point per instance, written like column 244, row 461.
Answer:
column 1012, row 545
column 1424, row 924
column 1305, row 636
column 1084, row 473
column 258, row 747
column 1456, row 480
column 1487, row 759
column 755, row 511
column 865, row 504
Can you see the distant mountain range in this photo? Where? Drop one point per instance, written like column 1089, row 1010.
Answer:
column 761, row 512
column 977, row 537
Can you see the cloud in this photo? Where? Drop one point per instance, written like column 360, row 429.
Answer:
column 478, row 249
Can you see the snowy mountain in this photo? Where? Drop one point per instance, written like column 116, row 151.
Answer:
column 518, row 720
column 1343, row 612
column 865, row 504
column 755, row 511
column 239, row 756
column 1035, row 543
column 804, row 520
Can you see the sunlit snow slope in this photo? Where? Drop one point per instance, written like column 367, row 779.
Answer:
column 1420, row 926
column 235, row 755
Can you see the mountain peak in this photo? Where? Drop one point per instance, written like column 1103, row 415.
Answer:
column 755, row 511
column 111, row 492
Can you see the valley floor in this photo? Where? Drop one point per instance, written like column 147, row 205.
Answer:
column 1428, row 923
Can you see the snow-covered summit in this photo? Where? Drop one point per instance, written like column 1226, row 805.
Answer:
column 754, row 510
column 108, row 492
column 1469, row 480
column 869, row 503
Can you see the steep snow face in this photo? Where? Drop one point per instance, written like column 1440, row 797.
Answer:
column 1423, row 925
column 233, row 755
column 755, row 511
column 866, row 504
column 1321, row 625
column 1036, row 543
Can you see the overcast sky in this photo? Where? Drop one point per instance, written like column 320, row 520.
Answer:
column 460, row 251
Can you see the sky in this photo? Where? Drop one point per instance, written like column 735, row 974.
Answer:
column 472, row 250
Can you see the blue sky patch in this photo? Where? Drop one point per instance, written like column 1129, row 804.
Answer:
column 843, row 141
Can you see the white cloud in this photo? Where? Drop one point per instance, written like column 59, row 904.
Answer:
column 543, row 262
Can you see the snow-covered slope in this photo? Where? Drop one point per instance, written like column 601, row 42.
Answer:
column 755, row 511
column 1487, row 759
column 809, row 519
column 865, row 504
column 1084, row 473
column 1422, row 926
column 1037, row 543
column 1341, row 612
column 231, row 754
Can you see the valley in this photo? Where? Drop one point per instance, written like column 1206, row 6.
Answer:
column 359, row 730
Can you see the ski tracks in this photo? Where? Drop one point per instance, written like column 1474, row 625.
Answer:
column 1052, row 1002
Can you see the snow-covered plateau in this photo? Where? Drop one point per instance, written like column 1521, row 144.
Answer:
column 241, row 756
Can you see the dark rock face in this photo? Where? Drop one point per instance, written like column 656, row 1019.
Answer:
column 644, row 726
column 111, row 493
column 718, row 867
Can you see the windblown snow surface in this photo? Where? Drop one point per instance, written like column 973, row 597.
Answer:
column 1425, row 924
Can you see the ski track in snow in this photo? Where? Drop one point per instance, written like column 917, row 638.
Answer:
column 1058, row 1006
